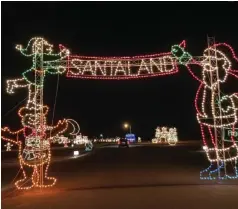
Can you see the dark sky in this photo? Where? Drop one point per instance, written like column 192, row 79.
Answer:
column 116, row 29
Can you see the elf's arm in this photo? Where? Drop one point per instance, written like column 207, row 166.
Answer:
column 57, row 65
column 186, row 59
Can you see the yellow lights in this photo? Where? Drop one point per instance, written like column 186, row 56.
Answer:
column 34, row 46
column 224, row 109
column 164, row 135
column 80, row 139
column 40, row 154
column 75, row 126
column 127, row 125
column 211, row 84
column 154, row 141
column 172, row 136
column 215, row 154
column 204, row 147
column 218, row 111
column 34, row 139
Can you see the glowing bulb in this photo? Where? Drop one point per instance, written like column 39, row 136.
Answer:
column 76, row 153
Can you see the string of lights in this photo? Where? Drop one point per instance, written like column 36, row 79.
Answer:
column 36, row 136
column 219, row 114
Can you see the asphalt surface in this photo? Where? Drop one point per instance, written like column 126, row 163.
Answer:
column 10, row 158
column 145, row 176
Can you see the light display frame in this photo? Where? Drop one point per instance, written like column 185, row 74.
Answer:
column 33, row 114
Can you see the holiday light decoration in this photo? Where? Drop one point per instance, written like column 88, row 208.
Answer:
column 8, row 146
column 172, row 136
column 75, row 126
column 162, row 135
column 37, row 49
column 117, row 68
column 130, row 138
column 34, row 139
column 179, row 52
column 63, row 140
column 34, row 154
column 121, row 69
column 80, row 139
column 216, row 68
column 219, row 114
column 88, row 145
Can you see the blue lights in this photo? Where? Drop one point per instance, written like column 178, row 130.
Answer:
column 210, row 174
column 131, row 137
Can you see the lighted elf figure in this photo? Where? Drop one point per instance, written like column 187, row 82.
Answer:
column 213, row 112
column 8, row 146
column 40, row 52
column 139, row 139
column 182, row 56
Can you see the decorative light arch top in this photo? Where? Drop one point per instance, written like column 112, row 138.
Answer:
column 122, row 68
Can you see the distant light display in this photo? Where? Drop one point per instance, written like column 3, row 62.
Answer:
column 131, row 137
column 163, row 135
column 88, row 145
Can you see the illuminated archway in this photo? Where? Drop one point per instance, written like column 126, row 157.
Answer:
column 37, row 135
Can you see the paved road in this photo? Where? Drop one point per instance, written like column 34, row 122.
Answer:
column 137, row 177
column 10, row 158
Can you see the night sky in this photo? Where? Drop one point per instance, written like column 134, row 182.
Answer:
column 115, row 29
